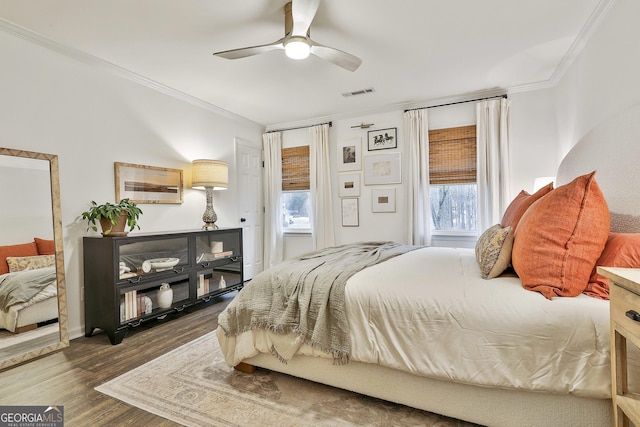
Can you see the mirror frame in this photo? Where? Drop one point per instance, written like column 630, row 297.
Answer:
column 59, row 249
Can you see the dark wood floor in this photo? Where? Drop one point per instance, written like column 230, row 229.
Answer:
column 68, row 377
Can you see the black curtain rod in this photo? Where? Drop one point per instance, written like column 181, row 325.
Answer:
column 459, row 102
column 300, row 127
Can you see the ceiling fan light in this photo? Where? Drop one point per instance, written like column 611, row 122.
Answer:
column 297, row 48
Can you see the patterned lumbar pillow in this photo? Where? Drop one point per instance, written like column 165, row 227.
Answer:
column 493, row 251
column 30, row 262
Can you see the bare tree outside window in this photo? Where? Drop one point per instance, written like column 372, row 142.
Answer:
column 454, row 207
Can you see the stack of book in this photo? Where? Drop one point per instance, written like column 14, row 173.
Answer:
column 134, row 304
column 215, row 255
column 203, row 286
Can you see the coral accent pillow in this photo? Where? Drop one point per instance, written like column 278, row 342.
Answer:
column 621, row 250
column 520, row 204
column 493, row 251
column 24, row 249
column 560, row 238
column 45, row 247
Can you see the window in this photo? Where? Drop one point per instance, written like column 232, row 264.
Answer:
column 452, row 175
column 296, row 196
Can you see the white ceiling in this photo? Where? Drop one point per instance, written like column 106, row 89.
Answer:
column 413, row 51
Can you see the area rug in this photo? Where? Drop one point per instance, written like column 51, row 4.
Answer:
column 193, row 386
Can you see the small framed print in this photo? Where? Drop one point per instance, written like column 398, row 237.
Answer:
column 382, row 169
column 350, row 155
column 350, row 212
column 383, row 200
column 349, row 185
column 382, row 139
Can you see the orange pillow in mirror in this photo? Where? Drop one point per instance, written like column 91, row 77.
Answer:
column 45, row 247
column 560, row 238
column 519, row 206
column 24, row 249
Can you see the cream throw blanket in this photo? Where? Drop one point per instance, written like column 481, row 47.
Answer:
column 305, row 296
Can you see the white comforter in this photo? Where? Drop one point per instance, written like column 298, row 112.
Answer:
column 430, row 313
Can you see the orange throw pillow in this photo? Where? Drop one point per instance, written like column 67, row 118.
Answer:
column 621, row 250
column 520, row 204
column 560, row 238
column 24, row 249
column 45, row 247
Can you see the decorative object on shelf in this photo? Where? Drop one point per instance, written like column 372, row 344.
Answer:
column 165, row 296
column 350, row 155
column 113, row 219
column 162, row 264
column 222, row 283
column 210, row 175
column 216, row 247
column 382, row 139
column 148, row 184
column 382, row 169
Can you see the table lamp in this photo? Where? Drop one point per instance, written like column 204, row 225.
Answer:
column 209, row 175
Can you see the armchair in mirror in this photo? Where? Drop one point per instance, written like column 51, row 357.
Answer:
column 33, row 307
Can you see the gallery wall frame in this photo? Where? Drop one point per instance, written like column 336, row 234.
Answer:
column 382, row 139
column 382, row 169
column 349, row 185
column 349, row 155
column 148, row 184
column 383, row 199
column 350, row 212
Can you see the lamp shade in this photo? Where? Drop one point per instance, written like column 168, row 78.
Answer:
column 210, row 173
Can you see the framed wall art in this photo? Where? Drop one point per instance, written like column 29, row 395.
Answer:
column 383, row 200
column 148, row 184
column 349, row 185
column 382, row 169
column 350, row 155
column 350, row 213
column 382, row 139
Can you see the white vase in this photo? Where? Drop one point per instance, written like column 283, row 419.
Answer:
column 165, row 296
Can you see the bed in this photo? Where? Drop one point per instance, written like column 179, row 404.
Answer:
column 28, row 287
column 427, row 330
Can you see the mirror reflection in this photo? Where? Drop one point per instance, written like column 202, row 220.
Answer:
column 32, row 305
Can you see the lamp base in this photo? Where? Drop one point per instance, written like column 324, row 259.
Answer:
column 210, row 226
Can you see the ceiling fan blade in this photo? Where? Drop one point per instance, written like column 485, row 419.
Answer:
column 303, row 12
column 243, row 52
column 336, row 56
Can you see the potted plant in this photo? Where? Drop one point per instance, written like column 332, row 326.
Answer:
column 113, row 218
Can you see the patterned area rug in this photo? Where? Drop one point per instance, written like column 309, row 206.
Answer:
column 193, row 386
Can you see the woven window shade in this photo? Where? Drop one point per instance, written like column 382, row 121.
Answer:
column 452, row 155
column 295, row 168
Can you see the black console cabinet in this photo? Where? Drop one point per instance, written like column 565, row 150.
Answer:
column 131, row 280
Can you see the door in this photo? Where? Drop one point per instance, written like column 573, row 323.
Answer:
column 249, row 179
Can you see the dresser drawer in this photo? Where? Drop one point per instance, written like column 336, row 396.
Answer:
column 623, row 301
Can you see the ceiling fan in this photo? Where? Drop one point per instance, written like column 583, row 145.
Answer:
column 296, row 43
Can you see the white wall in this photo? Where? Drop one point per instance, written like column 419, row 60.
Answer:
column 91, row 118
column 603, row 80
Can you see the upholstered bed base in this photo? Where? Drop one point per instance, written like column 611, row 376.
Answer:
column 485, row 406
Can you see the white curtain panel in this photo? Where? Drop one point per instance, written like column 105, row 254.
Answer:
column 273, row 250
column 492, row 139
column 416, row 127
column 320, row 182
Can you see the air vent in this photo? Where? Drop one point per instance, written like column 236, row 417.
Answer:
column 357, row 92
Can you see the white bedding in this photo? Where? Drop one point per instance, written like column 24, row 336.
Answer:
column 9, row 319
column 428, row 312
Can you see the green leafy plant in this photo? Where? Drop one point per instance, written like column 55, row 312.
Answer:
column 112, row 212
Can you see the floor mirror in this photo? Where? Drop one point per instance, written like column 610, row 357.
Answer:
column 33, row 307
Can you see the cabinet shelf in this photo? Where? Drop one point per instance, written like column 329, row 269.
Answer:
column 123, row 275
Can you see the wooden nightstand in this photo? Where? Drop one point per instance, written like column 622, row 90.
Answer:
column 625, row 325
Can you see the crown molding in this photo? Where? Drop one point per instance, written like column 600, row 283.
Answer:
column 92, row 60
